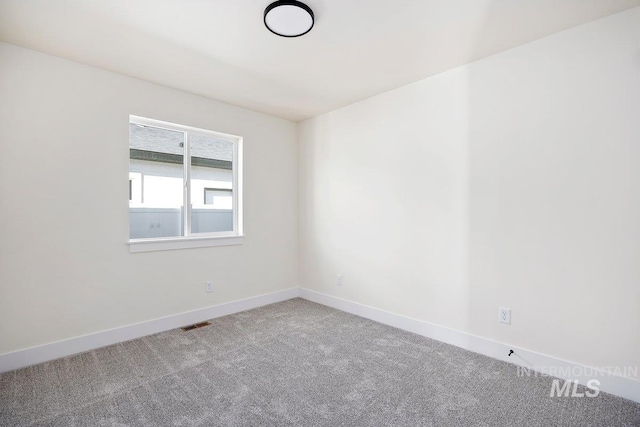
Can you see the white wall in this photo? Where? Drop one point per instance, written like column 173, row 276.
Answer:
column 513, row 181
column 65, row 267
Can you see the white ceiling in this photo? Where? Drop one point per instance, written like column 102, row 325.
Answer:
column 220, row 48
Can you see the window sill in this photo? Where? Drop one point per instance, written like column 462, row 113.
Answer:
column 172, row 243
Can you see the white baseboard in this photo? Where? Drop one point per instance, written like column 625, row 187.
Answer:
column 31, row 356
column 626, row 387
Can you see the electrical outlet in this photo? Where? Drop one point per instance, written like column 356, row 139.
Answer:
column 209, row 287
column 504, row 315
column 339, row 280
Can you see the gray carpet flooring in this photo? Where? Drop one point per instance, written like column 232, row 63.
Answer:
column 294, row 363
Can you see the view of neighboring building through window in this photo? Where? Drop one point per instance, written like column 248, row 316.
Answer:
column 218, row 197
column 174, row 194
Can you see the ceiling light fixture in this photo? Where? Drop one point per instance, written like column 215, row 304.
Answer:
column 288, row 18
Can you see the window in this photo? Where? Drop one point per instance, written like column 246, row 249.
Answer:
column 184, row 186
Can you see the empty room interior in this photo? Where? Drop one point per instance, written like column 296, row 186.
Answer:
column 320, row 213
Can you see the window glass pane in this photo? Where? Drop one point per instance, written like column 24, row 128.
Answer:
column 156, row 180
column 211, row 184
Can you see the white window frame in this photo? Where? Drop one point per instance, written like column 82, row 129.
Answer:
column 196, row 240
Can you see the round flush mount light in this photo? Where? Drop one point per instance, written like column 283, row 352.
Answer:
column 288, row 18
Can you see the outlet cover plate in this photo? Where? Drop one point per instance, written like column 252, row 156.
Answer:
column 504, row 315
